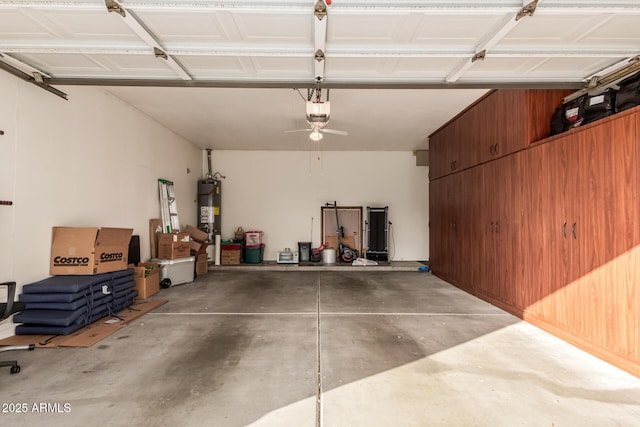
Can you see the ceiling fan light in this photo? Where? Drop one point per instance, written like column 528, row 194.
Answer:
column 315, row 135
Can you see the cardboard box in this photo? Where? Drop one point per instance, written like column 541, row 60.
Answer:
column 198, row 244
column 230, row 256
column 173, row 246
column 198, row 248
column 155, row 229
column 202, row 264
column 88, row 250
column 147, row 277
column 196, row 234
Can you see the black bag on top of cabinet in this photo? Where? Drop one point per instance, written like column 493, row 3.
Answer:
column 569, row 116
column 628, row 96
column 599, row 106
column 557, row 122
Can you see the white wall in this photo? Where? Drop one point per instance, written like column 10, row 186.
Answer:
column 89, row 161
column 278, row 192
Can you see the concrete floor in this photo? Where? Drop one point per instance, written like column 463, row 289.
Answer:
column 332, row 348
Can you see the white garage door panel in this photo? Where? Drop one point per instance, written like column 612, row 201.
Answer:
column 99, row 65
column 17, row 25
column 574, row 33
column 518, row 70
column 89, row 25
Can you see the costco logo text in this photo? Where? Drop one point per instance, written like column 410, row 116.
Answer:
column 70, row 261
column 115, row 256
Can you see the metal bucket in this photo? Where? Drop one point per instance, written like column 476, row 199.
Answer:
column 328, row 256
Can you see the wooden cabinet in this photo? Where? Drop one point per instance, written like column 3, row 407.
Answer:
column 454, row 202
column 592, row 230
column 552, row 233
column 499, row 123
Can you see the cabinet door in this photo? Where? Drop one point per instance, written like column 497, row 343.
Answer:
column 607, row 236
column 436, row 225
column 451, row 213
column 496, row 219
column 531, row 203
column 486, row 222
column 470, row 205
column 445, row 152
column 632, row 293
column 560, row 217
column 496, row 125
column 442, row 228
column 437, row 157
column 504, row 229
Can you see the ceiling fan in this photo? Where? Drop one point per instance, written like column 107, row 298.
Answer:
column 318, row 112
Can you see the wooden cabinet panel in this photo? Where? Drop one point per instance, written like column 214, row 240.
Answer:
column 436, row 226
column 443, row 228
column 471, row 205
column 633, row 289
column 606, row 231
column 541, row 106
column 531, row 201
column 496, row 220
column 445, row 146
column 558, row 223
column 437, row 156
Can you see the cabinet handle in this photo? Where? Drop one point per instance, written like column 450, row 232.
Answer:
column 564, row 230
column 573, row 231
column 452, row 167
column 495, row 227
column 495, row 149
column 491, row 227
column 491, row 149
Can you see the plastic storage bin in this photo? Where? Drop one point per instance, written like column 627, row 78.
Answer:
column 176, row 271
column 253, row 238
column 253, row 255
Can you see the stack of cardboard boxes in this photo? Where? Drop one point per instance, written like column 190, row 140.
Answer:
column 174, row 245
column 198, row 247
column 93, row 250
column 178, row 252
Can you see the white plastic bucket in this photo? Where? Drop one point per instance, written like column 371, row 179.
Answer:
column 329, row 256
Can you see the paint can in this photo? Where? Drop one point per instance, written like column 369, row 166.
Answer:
column 328, row 256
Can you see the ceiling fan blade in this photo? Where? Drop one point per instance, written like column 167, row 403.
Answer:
column 335, row 132
column 298, row 130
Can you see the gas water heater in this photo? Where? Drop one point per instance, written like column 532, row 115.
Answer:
column 209, row 201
